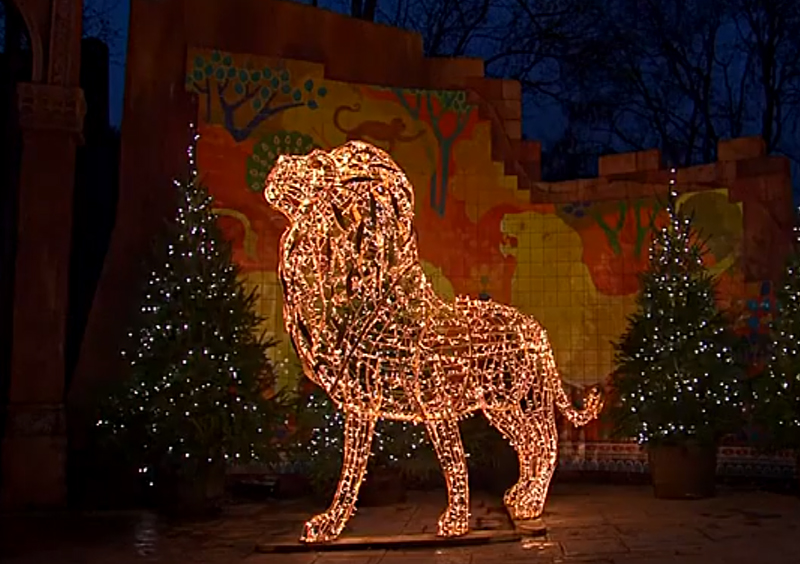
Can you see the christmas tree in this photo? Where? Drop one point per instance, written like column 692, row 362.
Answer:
column 677, row 379
column 194, row 398
column 397, row 446
column 776, row 392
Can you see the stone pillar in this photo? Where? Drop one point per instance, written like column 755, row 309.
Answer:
column 34, row 446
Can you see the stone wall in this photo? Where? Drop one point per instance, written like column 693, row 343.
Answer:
column 158, row 109
column 568, row 253
column 263, row 77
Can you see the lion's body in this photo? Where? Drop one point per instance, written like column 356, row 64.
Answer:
column 369, row 329
column 449, row 366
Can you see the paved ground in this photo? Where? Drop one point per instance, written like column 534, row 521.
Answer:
column 586, row 524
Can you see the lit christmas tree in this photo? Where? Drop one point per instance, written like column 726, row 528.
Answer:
column 776, row 392
column 198, row 367
column 397, row 446
column 677, row 379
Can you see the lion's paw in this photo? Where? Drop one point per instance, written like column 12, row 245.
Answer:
column 520, row 500
column 453, row 524
column 525, row 509
column 525, row 512
column 321, row 528
column 519, row 495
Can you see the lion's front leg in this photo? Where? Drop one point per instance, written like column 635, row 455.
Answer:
column 446, row 438
column 327, row 526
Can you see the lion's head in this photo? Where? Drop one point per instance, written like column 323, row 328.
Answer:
column 350, row 205
column 296, row 183
column 351, row 238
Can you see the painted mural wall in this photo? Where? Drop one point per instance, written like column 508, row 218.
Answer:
column 574, row 267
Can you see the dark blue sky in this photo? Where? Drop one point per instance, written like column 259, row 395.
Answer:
column 543, row 123
column 119, row 13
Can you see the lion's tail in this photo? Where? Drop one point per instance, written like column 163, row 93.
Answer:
column 592, row 401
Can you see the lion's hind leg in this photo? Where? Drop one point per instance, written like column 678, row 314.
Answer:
column 446, row 438
column 515, row 425
column 358, row 430
column 544, row 423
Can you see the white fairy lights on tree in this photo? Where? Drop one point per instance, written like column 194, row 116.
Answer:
column 776, row 392
column 370, row 330
column 677, row 378
column 197, row 365
column 327, row 435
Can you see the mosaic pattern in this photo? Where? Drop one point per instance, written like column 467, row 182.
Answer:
column 632, row 458
column 572, row 266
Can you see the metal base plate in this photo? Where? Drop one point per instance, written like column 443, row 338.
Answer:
column 394, row 542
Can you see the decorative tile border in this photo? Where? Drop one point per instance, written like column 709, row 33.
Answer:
column 626, row 458
column 632, row 458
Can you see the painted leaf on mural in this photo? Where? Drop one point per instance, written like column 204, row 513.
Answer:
column 267, row 149
column 250, row 225
column 247, row 95
column 615, row 237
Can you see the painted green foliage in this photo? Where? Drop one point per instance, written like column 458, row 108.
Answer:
column 643, row 227
column 265, row 91
column 613, row 218
column 267, row 150
column 447, row 112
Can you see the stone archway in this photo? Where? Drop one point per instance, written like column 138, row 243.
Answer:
column 15, row 66
column 26, row 12
column 49, row 117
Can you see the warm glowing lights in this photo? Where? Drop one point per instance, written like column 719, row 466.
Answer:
column 776, row 391
column 677, row 374
column 192, row 400
column 370, row 330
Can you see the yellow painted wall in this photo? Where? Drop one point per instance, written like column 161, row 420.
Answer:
column 574, row 267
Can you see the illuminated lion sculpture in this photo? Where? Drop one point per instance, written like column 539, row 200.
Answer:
column 370, row 330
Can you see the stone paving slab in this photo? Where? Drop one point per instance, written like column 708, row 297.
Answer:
column 586, row 525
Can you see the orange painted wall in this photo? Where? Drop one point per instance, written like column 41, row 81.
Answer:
column 572, row 264
column 501, row 230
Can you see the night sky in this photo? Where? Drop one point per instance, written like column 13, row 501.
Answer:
column 542, row 123
column 545, row 123
column 118, row 16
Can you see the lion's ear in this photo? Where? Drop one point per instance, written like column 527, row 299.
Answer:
column 367, row 154
column 322, row 169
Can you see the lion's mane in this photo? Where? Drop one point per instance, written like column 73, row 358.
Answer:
column 350, row 252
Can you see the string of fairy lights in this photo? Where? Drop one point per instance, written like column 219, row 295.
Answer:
column 777, row 393
column 677, row 369
column 327, row 436
column 194, row 359
column 370, row 330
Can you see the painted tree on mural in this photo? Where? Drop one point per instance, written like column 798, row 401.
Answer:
column 267, row 150
column 643, row 223
column 615, row 236
column 449, row 116
column 264, row 91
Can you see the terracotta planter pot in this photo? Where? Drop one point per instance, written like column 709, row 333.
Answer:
column 683, row 472
column 189, row 497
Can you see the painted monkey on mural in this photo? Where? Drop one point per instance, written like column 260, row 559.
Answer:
column 389, row 132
